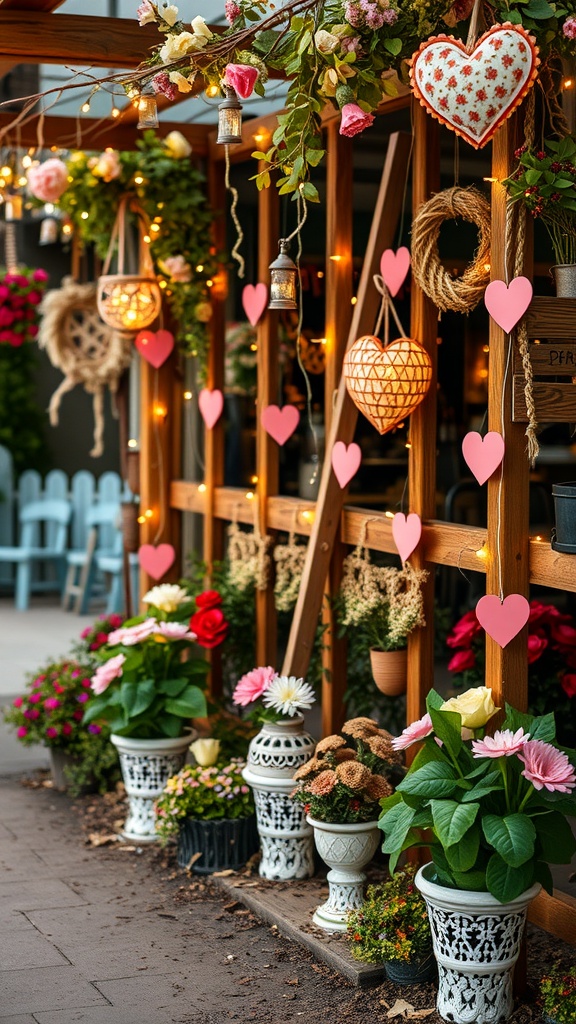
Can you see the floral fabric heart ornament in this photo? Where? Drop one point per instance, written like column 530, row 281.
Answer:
column 156, row 560
column 155, row 346
column 254, row 301
column 393, row 268
column 508, row 303
column 483, row 455
column 346, row 461
column 211, row 404
column 502, row 620
column 406, row 531
column 280, row 423
column 472, row 93
column 386, row 383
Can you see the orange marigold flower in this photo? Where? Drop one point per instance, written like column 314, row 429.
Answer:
column 324, row 783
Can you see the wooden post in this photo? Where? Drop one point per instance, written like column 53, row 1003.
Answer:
column 339, row 289
column 422, row 431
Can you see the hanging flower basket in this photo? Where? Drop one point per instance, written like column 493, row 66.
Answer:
column 128, row 302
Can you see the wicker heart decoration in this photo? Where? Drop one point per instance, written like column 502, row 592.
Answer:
column 386, row 384
column 473, row 92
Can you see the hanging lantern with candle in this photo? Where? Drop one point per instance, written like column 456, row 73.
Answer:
column 283, row 274
column 129, row 302
column 229, row 119
column 147, row 109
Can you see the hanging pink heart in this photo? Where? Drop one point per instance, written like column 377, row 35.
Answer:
column 483, row 455
column 507, row 304
column 211, row 404
column 156, row 560
column 280, row 423
column 502, row 620
column 406, row 531
column 254, row 301
column 155, row 346
column 346, row 461
column 393, row 267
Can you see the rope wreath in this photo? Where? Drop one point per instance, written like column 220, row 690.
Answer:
column 463, row 293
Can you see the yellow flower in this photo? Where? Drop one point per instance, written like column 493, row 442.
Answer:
column 205, row 752
column 177, row 145
column 159, row 638
column 177, row 46
column 184, row 84
column 475, row 706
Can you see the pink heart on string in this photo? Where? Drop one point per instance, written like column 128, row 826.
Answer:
column 508, row 303
column 280, row 423
column 155, row 346
column 406, row 531
column 346, row 461
column 156, row 560
column 393, row 267
column 254, row 301
column 483, row 455
column 211, row 404
column 502, row 620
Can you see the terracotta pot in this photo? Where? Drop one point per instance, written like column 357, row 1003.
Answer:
column 389, row 671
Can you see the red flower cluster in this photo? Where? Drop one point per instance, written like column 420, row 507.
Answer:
column 209, row 623
column 52, row 708
column 21, row 293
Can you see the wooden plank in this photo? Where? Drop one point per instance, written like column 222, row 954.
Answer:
column 98, row 132
column 330, row 498
column 555, row 914
column 550, row 359
column 555, row 403
column 548, row 317
column 75, row 39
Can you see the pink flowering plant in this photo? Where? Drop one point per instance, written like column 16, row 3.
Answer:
column 21, row 292
column 206, row 794
column 492, row 809
column 51, row 711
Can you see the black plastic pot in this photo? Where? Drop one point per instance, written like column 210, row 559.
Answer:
column 564, row 536
column 222, row 845
column 411, row 972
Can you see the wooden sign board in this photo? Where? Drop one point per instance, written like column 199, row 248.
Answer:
column 552, row 323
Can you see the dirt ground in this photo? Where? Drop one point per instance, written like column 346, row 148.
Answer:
column 249, row 971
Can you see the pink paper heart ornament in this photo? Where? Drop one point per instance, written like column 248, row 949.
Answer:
column 502, row 620
column 346, row 461
column 254, row 301
column 280, row 423
column 393, row 267
column 211, row 404
column 508, row 303
column 406, row 531
column 155, row 346
column 156, row 560
column 483, row 455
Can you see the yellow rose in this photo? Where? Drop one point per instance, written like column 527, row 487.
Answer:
column 177, row 46
column 205, row 752
column 475, row 706
column 177, row 145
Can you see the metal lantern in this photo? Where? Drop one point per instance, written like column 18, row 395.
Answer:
column 128, row 302
column 229, row 119
column 283, row 273
column 147, row 110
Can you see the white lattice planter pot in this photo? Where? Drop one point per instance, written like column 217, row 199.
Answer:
column 285, row 837
column 476, row 943
column 146, row 767
column 346, row 849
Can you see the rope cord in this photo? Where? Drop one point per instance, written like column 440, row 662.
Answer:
column 235, row 254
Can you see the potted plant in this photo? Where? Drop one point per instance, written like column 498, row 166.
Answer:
column 392, row 928
column 386, row 604
column 340, row 790
column 492, row 811
column 558, row 995
column 210, row 810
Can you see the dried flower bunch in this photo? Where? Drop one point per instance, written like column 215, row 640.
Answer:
column 392, row 923
column 558, row 995
column 385, row 601
column 349, row 774
column 204, row 793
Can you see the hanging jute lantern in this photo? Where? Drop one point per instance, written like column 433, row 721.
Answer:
column 129, row 302
column 386, row 383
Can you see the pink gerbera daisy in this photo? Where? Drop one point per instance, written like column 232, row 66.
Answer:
column 412, row 733
column 502, row 744
column 547, row 767
column 252, row 685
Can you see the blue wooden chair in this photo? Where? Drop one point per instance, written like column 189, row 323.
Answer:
column 45, row 520
column 112, row 565
column 104, row 539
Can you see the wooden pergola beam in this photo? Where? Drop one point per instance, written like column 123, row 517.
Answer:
column 97, row 133
column 74, row 39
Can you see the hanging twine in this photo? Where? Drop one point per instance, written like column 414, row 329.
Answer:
column 386, row 307
column 235, row 254
column 460, row 294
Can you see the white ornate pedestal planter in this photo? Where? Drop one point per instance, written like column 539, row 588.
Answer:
column 286, row 840
column 476, row 944
column 346, row 849
column 146, row 767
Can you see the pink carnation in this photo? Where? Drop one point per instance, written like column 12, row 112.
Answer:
column 106, row 673
column 49, row 180
column 547, row 767
column 252, row 685
column 501, row 744
column 232, row 11
column 51, row 703
column 18, row 702
column 21, row 732
column 242, row 78
column 413, row 733
column 354, row 120
column 162, row 84
column 51, row 732
column 131, row 635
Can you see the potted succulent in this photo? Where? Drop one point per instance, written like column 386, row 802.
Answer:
column 558, row 995
column 492, row 811
column 209, row 809
column 392, row 928
column 340, row 789
column 387, row 605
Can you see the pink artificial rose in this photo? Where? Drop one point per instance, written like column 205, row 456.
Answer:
column 354, row 120
column 178, row 269
column 34, row 698
column 21, row 732
column 49, row 180
column 252, row 685
column 242, row 78
column 51, row 703
column 106, row 673
column 32, row 713
column 51, row 732
column 461, row 661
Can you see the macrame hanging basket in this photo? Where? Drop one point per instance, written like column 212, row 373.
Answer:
column 386, row 383
column 128, row 302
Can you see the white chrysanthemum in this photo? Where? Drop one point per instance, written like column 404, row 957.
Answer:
column 167, row 597
column 288, row 695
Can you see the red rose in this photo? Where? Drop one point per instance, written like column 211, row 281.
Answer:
column 563, row 634
column 208, row 599
column 464, row 631
column 210, row 626
column 461, row 661
column 536, row 646
column 568, row 683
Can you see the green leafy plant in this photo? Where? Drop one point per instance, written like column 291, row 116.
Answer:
column 558, row 995
column 392, row 923
column 545, row 181
column 22, row 422
column 207, row 794
column 492, row 810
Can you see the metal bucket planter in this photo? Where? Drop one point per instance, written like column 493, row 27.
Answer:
column 564, row 275
column 411, row 972
column 564, row 536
